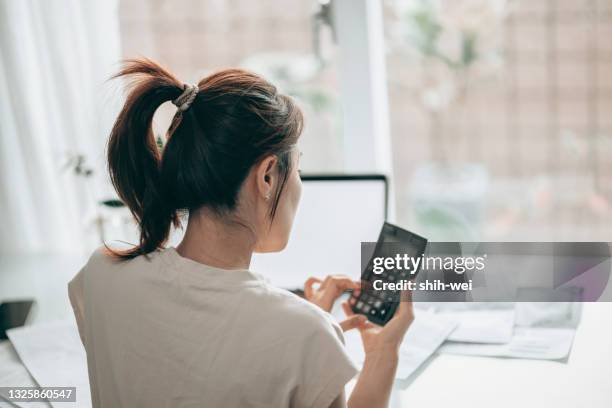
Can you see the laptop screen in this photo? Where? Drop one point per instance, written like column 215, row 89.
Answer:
column 335, row 215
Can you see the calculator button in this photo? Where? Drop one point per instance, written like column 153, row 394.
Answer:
column 366, row 308
column 377, row 304
column 373, row 312
column 359, row 305
column 371, row 300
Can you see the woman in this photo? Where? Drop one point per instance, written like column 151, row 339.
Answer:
column 192, row 326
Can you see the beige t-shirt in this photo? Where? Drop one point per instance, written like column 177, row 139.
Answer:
column 170, row 332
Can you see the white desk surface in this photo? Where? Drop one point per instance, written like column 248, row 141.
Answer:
column 585, row 380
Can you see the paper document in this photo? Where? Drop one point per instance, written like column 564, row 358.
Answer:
column 426, row 334
column 54, row 356
column 548, row 314
column 527, row 342
column 14, row 374
column 481, row 326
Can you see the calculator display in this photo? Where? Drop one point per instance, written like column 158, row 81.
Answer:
column 380, row 305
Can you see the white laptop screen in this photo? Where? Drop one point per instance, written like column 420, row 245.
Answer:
column 336, row 214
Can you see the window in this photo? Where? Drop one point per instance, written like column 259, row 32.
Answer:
column 271, row 37
column 526, row 150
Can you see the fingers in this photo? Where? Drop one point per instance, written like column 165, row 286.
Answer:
column 334, row 286
column 345, row 283
column 340, row 283
column 405, row 312
column 337, row 282
column 355, row 296
column 347, row 309
column 406, row 306
column 406, row 296
column 308, row 286
column 353, row 322
column 364, row 323
column 369, row 325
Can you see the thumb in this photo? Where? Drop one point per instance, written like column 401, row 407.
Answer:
column 353, row 322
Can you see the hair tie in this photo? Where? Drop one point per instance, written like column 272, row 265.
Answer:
column 184, row 101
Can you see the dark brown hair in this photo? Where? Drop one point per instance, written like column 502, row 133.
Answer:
column 236, row 119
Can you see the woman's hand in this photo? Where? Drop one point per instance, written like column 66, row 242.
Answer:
column 377, row 338
column 381, row 345
column 327, row 291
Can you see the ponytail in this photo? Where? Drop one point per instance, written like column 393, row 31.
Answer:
column 134, row 158
column 223, row 126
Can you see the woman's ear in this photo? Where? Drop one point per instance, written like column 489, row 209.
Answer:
column 267, row 177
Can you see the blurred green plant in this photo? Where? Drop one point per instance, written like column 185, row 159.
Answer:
column 320, row 99
column 159, row 140
column 426, row 27
column 76, row 163
column 294, row 73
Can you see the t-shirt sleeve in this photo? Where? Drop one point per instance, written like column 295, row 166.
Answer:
column 326, row 366
column 75, row 293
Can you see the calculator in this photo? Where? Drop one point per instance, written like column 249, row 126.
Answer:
column 380, row 305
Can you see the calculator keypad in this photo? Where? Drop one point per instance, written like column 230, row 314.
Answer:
column 374, row 303
column 379, row 305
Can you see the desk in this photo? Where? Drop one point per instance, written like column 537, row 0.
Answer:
column 584, row 381
column 446, row 381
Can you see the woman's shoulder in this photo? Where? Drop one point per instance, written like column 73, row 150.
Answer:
column 104, row 266
column 108, row 256
column 101, row 254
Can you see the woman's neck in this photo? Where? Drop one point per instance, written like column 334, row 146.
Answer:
column 215, row 242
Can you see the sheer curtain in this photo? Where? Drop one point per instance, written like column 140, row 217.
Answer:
column 55, row 59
